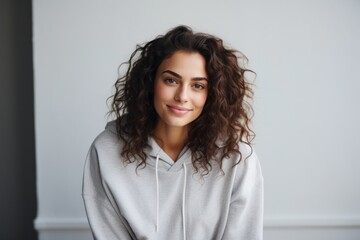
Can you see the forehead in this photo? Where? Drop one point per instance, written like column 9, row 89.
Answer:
column 184, row 63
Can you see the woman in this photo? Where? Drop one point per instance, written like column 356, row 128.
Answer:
column 177, row 162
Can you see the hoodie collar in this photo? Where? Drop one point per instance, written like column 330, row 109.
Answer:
column 165, row 162
column 153, row 150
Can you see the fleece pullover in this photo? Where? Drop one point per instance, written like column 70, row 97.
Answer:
column 167, row 200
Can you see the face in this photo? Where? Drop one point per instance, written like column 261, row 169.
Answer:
column 180, row 89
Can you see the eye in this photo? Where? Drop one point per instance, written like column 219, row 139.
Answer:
column 170, row 81
column 198, row 86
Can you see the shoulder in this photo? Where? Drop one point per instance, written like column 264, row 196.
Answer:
column 108, row 136
column 245, row 164
column 249, row 169
column 107, row 145
column 105, row 151
column 249, row 158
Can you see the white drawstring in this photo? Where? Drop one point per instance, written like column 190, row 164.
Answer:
column 183, row 203
column 158, row 198
column 157, row 194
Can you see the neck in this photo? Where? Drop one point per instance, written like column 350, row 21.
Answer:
column 171, row 139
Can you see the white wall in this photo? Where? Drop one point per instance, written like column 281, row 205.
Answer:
column 306, row 55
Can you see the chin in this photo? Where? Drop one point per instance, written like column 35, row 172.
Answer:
column 178, row 123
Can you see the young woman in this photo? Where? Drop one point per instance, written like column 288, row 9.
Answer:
column 177, row 163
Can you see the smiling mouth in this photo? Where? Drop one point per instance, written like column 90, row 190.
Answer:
column 178, row 110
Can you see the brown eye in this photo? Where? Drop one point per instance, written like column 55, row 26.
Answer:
column 199, row 86
column 170, row 81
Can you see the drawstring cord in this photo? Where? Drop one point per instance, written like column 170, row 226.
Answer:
column 157, row 194
column 157, row 197
column 183, row 203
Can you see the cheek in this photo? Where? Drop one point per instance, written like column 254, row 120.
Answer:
column 161, row 92
column 200, row 100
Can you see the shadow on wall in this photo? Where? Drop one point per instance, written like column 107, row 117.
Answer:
column 17, row 141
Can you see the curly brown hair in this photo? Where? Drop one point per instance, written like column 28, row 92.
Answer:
column 226, row 116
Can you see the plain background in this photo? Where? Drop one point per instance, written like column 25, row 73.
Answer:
column 306, row 56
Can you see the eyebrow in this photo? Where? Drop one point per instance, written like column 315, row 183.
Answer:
column 179, row 76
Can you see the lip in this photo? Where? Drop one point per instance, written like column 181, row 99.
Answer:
column 178, row 110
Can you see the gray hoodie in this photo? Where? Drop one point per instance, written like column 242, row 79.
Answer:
column 166, row 199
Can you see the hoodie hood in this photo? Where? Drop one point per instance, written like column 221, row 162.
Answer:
column 167, row 164
column 154, row 150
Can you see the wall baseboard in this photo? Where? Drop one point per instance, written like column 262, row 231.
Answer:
column 46, row 224
column 275, row 227
column 269, row 222
column 311, row 221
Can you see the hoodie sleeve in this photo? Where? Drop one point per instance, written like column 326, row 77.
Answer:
column 105, row 221
column 245, row 219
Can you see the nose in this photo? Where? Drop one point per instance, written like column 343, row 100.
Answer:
column 181, row 94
